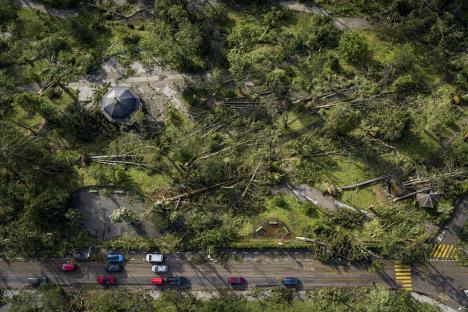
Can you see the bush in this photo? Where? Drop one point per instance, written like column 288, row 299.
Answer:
column 353, row 47
column 403, row 84
column 319, row 33
column 342, row 119
column 389, row 124
column 124, row 215
column 404, row 58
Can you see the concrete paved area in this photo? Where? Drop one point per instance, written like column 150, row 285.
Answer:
column 97, row 205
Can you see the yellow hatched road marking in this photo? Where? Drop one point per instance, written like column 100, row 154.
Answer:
column 403, row 276
column 435, row 250
column 443, row 251
column 447, row 251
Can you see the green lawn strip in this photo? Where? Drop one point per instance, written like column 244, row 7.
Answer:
column 300, row 217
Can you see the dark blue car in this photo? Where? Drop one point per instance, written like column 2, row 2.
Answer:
column 290, row 281
column 116, row 258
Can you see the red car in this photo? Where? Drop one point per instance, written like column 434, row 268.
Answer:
column 157, row 281
column 106, row 280
column 236, row 280
column 68, row 267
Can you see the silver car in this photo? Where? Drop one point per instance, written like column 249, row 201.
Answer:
column 160, row 268
column 157, row 258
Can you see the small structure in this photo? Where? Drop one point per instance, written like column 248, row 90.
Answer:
column 428, row 200
column 119, row 104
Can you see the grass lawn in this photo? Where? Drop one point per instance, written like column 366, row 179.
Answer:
column 300, row 217
column 348, row 171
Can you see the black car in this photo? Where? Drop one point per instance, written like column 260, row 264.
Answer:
column 113, row 268
column 290, row 281
column 37, row 280
column 176, row 280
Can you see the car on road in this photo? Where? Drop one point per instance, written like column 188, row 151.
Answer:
column 68, row 267
column 37, row 280
column 106, row 280
column 162, row 268
column 115, row 258
column 157, row 281
column 176, row 280
column 156, row 258
column 236, row 280
column 113, row 268
column 290, row 281
column 80, row 255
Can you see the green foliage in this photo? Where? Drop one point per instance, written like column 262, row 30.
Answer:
column 389, row 123
column 341, row 119
column 8, row 12
column 361, row 299
column 319, row 33
column 404, row 83
column 281, row 295
column 175, row 38
column 114, row 175
column 354, row 47
column 124, row 215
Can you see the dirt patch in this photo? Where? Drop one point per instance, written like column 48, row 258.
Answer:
column 157, row 87
column 97, row 205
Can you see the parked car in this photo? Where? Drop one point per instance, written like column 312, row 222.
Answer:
column 115, row 258
column 162, row 268
column 177, row 280
column 113, row 268
column 81, row 255
column 37, row 280
column 156, row 258
column 290, row 281
column 157, row 281
column 68, row 267
column 238, row 280
column 106, row 280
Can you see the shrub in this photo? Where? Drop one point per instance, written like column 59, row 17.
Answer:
column 390, row 124
column 353, row 47
column 403, row 84
column 124, row 215
column 342, row 119
column 404, row 58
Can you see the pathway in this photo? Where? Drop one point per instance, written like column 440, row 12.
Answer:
column 46, row 9
column 307, row 193
column 343, row 23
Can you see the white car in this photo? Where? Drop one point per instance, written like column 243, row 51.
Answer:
column 158, row 258
column 160, row 268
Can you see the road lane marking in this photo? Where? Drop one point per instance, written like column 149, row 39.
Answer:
column 443, row 251
column 403, row 276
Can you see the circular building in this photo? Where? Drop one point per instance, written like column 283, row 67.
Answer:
column 119, row 104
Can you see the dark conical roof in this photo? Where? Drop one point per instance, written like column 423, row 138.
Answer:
column 119, row 103
column 427, row 200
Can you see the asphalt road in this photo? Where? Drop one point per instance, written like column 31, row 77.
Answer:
column 455, row 225
column 443, row 281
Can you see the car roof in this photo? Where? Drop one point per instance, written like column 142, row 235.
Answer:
column 157, row 280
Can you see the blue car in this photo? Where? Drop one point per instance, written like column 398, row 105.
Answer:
column 115, row 258
column 290, row 281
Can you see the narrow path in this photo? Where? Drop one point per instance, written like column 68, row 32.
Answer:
column 307, row 193
column 343, row 23
column 28, row 4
